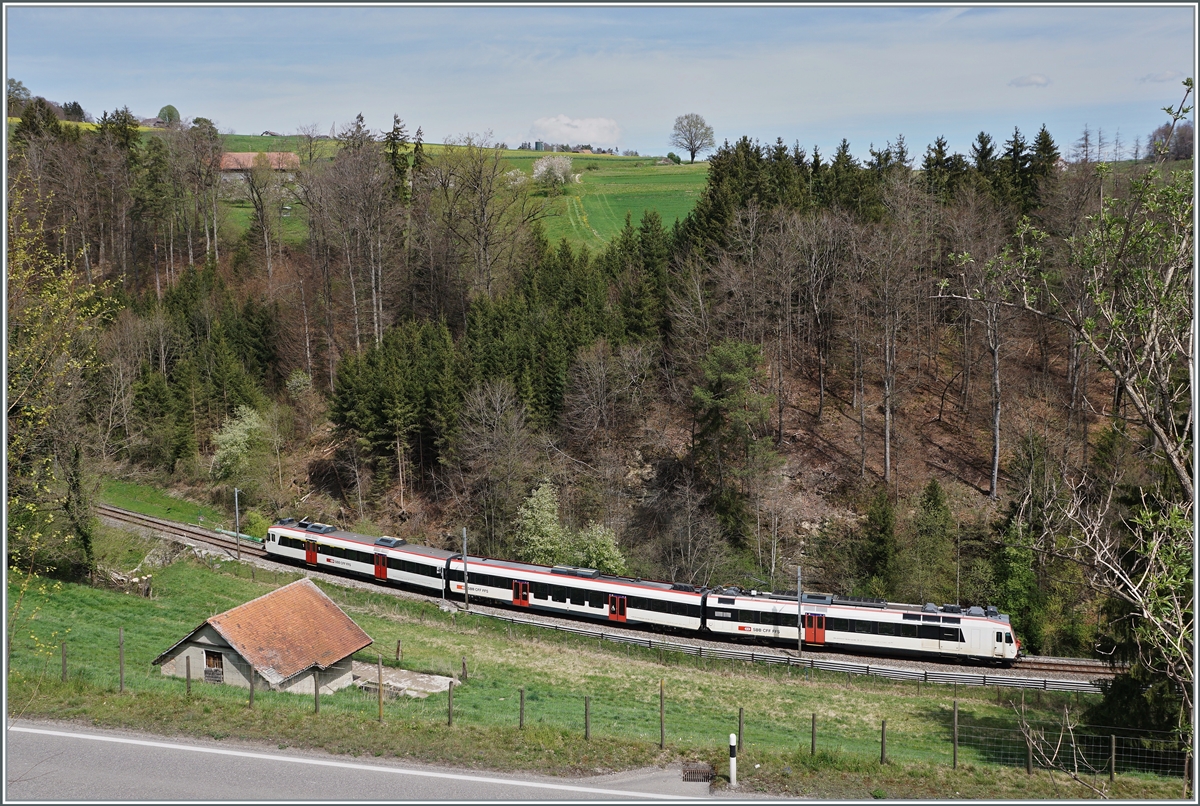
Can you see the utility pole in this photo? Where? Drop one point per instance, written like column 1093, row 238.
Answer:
column 799, row 614
column 237, row 524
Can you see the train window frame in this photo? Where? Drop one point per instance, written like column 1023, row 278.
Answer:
column 838, row 625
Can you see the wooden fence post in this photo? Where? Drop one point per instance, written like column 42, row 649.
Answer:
column 662, row 714
column 187, row 662
column 522, row 709
column 814, row 734
column 399, row 652
column 450, row 706
column 121, row 656
column 464, row 669
column 379, row 682
column 883, row 743
column 1112, row 757
column 587, row 719
column 956, row 734
column 741, row 726
column 316, row 693
column 1028, row 756
column 251, row 685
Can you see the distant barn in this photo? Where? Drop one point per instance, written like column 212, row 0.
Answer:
column 283, row 639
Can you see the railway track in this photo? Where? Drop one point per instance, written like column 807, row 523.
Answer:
column 185, row 531
column 249, row 548
column 1099, row 668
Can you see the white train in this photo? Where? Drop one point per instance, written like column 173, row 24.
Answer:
column 868, row 626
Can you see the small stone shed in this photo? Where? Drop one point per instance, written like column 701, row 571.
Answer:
column 283, row 639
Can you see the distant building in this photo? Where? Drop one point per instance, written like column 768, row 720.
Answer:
column 539, row 146
column 283, row 640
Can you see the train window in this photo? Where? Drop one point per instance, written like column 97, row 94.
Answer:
column 864, row 626
column 597, row 599
column 787, row 620
column 908, row 630
column 748, row 616
column 912, row 617
column 951, row 620
column 931, row 618
column 1008, row 638
column 837, row 625
column 724, row 601
column 637, row 602
column 929, row 632
column 952, row 634
column 999, row 638
column 887, row 628
column 558, row 593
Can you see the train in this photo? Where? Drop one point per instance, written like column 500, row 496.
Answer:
column 842, row 623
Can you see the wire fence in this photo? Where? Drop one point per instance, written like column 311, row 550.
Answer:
column 955, row 737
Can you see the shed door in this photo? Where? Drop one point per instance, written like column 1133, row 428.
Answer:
column 381, row 566
column 616, row 607
column 310, row 552
column 814, row 628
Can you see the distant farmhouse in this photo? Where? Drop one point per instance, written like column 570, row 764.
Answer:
column 284, row 640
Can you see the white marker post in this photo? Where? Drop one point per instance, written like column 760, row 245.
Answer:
column 733, row 759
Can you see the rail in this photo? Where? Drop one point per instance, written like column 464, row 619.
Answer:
column 926, row 676
column 218, row 538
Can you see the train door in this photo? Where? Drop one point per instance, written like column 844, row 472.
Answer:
column 520, row 593
column 814, row 628
column 310, row 552
column 381, row 566
column 616, row 607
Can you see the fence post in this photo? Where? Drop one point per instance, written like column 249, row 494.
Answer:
column 997, row 695
column 741, row 725
column 399, row 651
column 121, row 656
column 955, row 734
column 464, row 669
column 587, row 719
column 316, row 693
column 64, row 661
column 662, row 714
column 1112, row 757
column 251, row 665
column 450, row 705
column 187, row 662
column 732, row 760
column 1028, row 756
column 379, row 683
column 814, row 734
column 522, row 709
column 883, row 743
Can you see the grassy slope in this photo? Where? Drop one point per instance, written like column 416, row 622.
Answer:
column 557, row 671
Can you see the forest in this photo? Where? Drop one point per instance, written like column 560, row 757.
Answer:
column 945, row 377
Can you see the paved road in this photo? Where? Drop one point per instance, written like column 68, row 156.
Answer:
column 50, row 761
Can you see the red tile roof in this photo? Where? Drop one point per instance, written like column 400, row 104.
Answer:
column 288, row 631
column 244, row 160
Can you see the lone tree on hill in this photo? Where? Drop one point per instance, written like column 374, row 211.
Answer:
column 692, row 134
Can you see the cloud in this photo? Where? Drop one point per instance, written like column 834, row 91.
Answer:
column 1160, row 78
column 1031, row 80
column 602, row 132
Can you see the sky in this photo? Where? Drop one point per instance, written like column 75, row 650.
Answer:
column 618, row 76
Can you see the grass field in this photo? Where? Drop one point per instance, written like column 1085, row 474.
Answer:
column 557, row 671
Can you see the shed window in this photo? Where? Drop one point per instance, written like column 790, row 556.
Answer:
column 213, row 660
